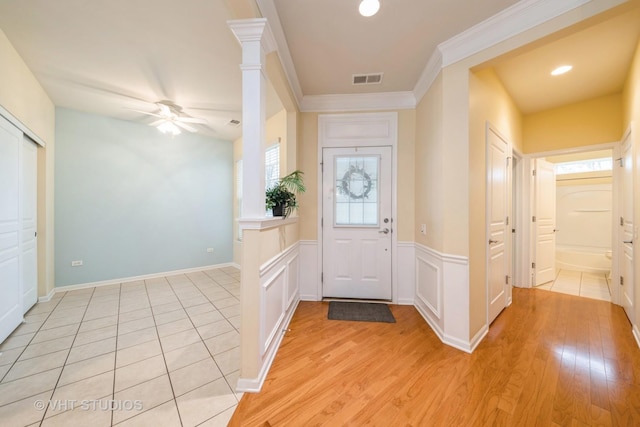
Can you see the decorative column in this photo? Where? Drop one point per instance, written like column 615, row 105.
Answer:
column 257, row 41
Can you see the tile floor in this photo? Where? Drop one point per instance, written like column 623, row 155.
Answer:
column 588, row 285
column 148, row 353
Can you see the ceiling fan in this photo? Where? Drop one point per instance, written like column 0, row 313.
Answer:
column 171, row 118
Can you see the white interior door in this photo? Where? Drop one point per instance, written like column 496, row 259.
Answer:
column 545, row 222
column 497, row 223
column 627, row 230
column 357, row 223
column 10, row 290
column 29, row 197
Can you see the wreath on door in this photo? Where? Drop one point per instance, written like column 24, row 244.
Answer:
column 355, row 172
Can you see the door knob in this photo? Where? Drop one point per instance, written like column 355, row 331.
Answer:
column 384, row 231
column 492, row 241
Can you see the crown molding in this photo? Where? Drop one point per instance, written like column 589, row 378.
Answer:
column 269, row 11
column 507, row 23
column 429, row 74
column 359, row 102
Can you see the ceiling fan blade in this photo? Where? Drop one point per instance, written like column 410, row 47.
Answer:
column 157, row 122
column 149, row 114
column 185, row 126
column 197, row 120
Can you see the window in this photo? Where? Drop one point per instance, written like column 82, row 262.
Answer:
column 272, row 175
column 582, row 166
column 272, row 165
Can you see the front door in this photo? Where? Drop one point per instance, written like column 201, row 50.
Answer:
column 356, row 224
column 498, row 233
column 627, row 234
column 545, row 222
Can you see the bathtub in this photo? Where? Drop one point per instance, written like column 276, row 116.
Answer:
column 588, row 260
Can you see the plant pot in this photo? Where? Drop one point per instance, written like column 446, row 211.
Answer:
column 278, row 210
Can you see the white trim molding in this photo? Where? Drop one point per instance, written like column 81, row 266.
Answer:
column 309, row 273
column 136, row 278
column 47, row 297
column 516, row 19
column 358, row 102
column 636, row 334
column 266, row 222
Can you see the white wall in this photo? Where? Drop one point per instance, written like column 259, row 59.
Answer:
column 131, row 201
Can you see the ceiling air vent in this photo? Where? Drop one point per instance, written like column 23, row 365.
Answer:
column 233, row 122
column 367, row 79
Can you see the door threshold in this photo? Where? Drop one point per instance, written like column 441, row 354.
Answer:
column 374, row 301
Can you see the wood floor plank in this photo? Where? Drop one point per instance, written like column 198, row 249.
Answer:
column 548, row 359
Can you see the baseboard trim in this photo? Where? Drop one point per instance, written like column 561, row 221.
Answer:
column 254, row 385
column 405, row 301
column 47, row 297
column 478, row 337
column 142, row 277
column 636, row 334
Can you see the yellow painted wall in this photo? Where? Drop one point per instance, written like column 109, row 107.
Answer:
column 308, row 162
column 595, row 121
column 429, row 185
column 489, row 102
column 23, row 97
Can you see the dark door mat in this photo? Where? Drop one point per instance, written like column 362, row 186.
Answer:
column 360, row 311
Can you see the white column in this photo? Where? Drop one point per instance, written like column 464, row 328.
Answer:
column 257, row 41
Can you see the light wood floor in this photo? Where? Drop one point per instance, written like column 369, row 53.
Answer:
column 549, row 359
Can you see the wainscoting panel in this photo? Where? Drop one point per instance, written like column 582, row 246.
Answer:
column 442, row 296
column 279, row 287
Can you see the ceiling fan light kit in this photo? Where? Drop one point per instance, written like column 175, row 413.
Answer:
column 171, row 119
column 369, row 7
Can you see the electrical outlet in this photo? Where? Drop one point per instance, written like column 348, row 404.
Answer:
column 423, row 229
column 77, row 263
column 210, row 250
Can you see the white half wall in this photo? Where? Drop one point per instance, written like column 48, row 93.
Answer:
column 279, row 297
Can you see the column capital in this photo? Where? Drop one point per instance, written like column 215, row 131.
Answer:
column 254, row 30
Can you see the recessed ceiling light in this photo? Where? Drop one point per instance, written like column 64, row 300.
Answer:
column 561, row 70
column 369, row 7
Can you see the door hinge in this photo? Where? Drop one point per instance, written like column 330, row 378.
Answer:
column 620, row 161
column 321, row 222
column 621, row 221
column 513, row 230
column 533, row 265
column 321, row 166
column 533, row 218
column 321, row 277
column 506, row 280
column 534, row 172
column 621, row 281
column 507, row 221
column 508, row 159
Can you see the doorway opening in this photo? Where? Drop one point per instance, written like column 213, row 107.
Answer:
column 573, row 230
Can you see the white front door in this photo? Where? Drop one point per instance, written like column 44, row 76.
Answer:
column 10, row 288
column 627, row 230
column 498, row 232
column 545, row 222
column 357, row 223
column 29, row 222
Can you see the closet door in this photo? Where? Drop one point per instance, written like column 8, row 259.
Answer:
column 10, row 288
column 28, row 203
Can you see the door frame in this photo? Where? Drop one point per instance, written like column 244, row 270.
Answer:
column 337, row 131
column 616, row 247
column 509, row 202
column 528, row 208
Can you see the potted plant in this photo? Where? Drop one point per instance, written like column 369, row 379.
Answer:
column 281, row 198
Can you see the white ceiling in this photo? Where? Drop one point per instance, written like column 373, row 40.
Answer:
column 114, row 57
